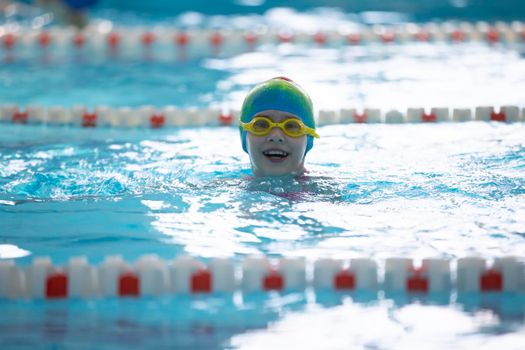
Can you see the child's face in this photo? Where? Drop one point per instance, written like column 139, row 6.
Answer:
column 288, row 152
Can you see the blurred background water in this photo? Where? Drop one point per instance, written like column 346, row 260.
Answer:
column 406, row 9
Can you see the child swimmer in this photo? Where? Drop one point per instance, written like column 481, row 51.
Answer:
column 277, row 130
column 277, row 127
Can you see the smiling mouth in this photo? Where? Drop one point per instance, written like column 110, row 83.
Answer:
column 276, row 155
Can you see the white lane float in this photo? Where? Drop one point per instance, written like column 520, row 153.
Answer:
column 172, row 116
column 151, row 276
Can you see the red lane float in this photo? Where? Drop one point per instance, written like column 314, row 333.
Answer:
column 344, row 280
column 44, row 39
column 320, row 38
column 360, row 117
column 491, row 281
column 148, row 39
column 20, row 117
column 201, row 281
column 402, row 276
column 57, row 286
column 273, row 280
column 359, row 274
column 250, row 39
column 428, row 118
column 417, row 282
column 151, row 276
column 113, row 40
column 285, row 37
column 9, row 41
column 354, row 38
column 492, row 35
column 128, row 285
column 89, row 120
column 422, row 35
column 260, row 274
column 79, row 40
column 507, row 114
column 387, row 37
column 157, row 121
column 498, row 117
column 419, row 115
column 216, row 39
column 171, row 116
column 182, row 39
column 225, row 119
column 505, row 274
column 145, row 37
column 457, row 36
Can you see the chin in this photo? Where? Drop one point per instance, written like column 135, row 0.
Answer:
column 279, row 172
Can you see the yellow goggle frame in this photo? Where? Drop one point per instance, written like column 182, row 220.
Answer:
column 262, row 126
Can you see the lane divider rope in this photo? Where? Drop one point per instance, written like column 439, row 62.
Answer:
column 171, row 116
column 121, row 38
column 152, row 276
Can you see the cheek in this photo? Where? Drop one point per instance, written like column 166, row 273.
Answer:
column 253, row 142
column 299, row 146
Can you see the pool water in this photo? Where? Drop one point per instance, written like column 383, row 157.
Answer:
column 432, row 190
column 372, row 75
column 373, row 190
column 446, row 190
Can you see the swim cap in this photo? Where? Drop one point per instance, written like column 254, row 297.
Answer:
column 280, row 94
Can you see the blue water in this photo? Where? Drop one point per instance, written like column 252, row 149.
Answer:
column 381, row 76
column 375, row 190
column 446, row 190
column 413, row 9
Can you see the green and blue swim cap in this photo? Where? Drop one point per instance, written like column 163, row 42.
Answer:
column 280, row 94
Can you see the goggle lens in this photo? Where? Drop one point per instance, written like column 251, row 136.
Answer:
column 293, row 128
column 261, row 125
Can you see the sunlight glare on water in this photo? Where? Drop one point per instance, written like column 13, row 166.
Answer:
column 373, row 190
column 354, row 326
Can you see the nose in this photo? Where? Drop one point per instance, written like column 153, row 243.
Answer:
column 276, row 135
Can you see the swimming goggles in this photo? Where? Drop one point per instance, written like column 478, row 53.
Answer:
column 293, row 127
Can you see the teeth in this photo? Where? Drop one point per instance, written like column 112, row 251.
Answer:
column 275, row 153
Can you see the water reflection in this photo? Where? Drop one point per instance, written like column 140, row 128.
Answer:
column 344, row 320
